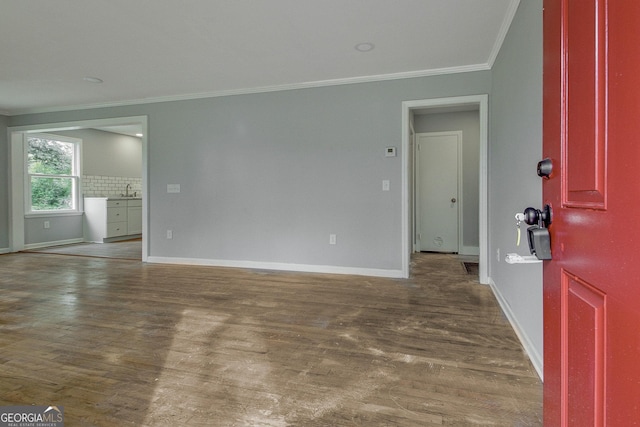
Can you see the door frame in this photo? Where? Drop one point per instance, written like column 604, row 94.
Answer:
column 482, row 102
column 16, row 175
column 459, row 184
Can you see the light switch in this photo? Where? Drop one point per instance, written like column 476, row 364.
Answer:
column 385, row 185
column 173, row 188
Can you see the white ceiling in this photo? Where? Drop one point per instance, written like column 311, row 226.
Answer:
column 154, row 50
column 124, row 129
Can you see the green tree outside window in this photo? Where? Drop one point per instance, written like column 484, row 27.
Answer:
column 50, row 165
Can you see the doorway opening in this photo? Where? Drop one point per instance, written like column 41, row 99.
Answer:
column 410, row 109
column 18, row 219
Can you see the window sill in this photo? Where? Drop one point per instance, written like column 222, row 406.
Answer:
column 52, row 214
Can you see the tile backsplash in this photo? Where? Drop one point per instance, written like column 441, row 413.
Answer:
column 100, row 186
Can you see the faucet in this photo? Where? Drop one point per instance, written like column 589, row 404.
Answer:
column 126, row 190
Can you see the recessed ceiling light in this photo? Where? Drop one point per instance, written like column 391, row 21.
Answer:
column 92, row 79
column 364, row 47
column 139, row 135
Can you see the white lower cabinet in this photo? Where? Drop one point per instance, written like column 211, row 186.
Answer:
column 111, row 219
column 134, row 216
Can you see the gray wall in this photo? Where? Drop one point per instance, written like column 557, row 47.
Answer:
column 514, row 150
column 469, row 123
column 61, row 229
column 267, row 177
column 4, row 185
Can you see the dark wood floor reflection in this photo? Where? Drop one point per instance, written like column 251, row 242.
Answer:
column 120, row 343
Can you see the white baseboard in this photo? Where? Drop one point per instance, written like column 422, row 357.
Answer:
column 305, row 268
column 535, row 357
column 4, row 250
column 54, row 243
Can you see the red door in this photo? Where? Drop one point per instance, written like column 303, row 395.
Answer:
column 592, row 284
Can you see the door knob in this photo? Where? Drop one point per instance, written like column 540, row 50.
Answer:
column 453, row 200
column 534, row 216
column 538, row 234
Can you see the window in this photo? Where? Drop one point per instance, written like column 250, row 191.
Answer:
column 53, row 173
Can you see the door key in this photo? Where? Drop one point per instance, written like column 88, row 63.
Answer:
column 519, row 219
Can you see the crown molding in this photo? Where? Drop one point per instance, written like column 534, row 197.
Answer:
column 263, row 89
column 504, row 29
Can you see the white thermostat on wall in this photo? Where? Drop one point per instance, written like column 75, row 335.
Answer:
column 390, row 152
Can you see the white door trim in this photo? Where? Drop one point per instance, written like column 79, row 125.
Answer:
column 482, row 101
column 459, row 206
column 16, row 190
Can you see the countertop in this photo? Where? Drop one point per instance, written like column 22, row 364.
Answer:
column 114, row 197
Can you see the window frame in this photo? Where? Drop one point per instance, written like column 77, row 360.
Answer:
column 76, row 176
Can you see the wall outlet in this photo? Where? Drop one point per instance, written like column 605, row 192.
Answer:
column 333, row 239
column 498, row 254
column 169, row 234
column 47, row 224
column 173, row 188
column 385, row 185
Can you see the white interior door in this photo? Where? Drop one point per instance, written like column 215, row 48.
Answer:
column 438, row 189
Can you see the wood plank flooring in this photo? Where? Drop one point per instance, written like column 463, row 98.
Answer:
column 121, row 343
column 126, row 249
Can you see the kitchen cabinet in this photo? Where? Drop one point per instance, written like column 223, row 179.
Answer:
column 134, row 216
column 110, row 219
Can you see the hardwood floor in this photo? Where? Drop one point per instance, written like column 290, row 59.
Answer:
column 118, row 342
column 126, row 249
